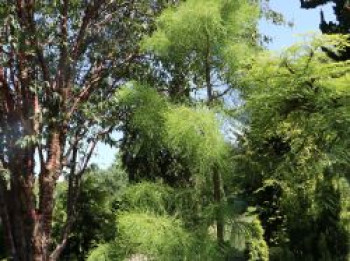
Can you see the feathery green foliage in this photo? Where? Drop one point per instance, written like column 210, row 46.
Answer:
column 148, row 197
column 195, row 134
column 186, row 32
column 203, row 44
column 146, row 107
column 147, row 226
column 298, row 112
column 159, row 237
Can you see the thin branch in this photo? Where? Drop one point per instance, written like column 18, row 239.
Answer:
column 290, row 69
column 309, row 59
column 228, row 89
column 90, row 12
column 87, row 90
column 86, row 160
column 93, row 144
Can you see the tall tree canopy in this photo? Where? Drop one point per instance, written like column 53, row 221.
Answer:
column 194, row 47
column 201, row 45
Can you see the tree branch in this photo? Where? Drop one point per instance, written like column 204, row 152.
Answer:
column 62, row 65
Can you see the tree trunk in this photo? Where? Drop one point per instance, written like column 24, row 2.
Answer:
column 28, row 227
column 4, row 215
column 218, row 200
column 207, row 73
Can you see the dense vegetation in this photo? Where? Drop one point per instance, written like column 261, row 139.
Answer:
column 227, row 151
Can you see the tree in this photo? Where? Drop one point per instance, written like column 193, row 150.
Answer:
column 59, row 61
column 196, row 45
column 298, row 110
column 201, row 151
column 200, row 46
column 193, row 135
column 193, row 47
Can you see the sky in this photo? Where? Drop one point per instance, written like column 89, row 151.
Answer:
column 304, row 21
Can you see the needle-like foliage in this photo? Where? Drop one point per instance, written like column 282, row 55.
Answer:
column 296, row 146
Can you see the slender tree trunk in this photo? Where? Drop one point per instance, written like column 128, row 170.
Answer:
column 218, row 201
column 216, row 175
column 207, row 73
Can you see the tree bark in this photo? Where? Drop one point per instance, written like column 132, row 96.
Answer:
column 5, row 220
